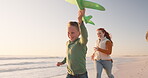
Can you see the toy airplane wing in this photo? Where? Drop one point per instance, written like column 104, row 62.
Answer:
column 72, row 1
column 92, row 5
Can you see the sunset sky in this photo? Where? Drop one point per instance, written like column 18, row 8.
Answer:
column 39, row 27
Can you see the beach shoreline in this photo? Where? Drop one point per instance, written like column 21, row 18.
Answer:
column 45, row 67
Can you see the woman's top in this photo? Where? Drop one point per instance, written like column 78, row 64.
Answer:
column 101, row 44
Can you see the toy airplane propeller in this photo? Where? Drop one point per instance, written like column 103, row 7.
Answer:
column 86, row 4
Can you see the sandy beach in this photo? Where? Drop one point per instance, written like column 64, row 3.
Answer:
column 138, row 68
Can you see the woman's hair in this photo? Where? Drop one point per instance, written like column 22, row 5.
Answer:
column 107, row 35
column 75, row 24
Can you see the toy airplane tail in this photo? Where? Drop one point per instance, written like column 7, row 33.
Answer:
column 86, row 19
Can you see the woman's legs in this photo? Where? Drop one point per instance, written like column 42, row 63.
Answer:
column 98, row 67
column 107, row 65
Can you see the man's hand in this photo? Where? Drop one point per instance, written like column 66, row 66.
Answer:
column 59, row 63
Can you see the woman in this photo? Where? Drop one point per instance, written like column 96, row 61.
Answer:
column 102, row 53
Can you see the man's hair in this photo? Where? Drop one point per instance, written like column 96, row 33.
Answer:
column 75, row 24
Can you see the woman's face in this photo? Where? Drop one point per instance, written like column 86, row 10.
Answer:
column 100, row 34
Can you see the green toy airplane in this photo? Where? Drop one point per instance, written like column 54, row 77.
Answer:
column 87, row 4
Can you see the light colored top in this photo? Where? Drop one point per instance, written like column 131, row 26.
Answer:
column 100, row 55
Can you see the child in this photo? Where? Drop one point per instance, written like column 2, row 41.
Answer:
column 76, row 49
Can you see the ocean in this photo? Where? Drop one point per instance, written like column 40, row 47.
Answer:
column 42, row 67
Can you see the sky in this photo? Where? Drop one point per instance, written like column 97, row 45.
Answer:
column 39, row 27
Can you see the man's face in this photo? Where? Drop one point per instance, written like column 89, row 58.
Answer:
column 73, row 33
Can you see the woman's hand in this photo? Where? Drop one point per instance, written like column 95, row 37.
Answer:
column 96, row 49
column 92, row 56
